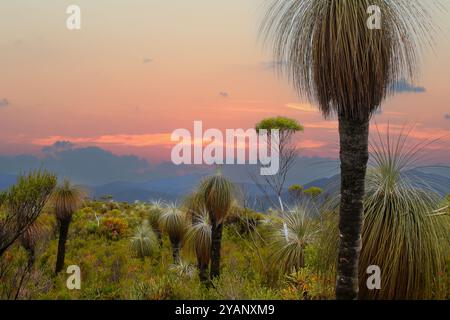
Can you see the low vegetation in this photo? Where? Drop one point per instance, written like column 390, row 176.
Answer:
column 210, row 247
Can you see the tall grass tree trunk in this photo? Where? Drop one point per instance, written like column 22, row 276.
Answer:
column 176, row 252
column 63, row 233
column 354, row 156
column 216, row 245
column 203, row 272
column 338, row 59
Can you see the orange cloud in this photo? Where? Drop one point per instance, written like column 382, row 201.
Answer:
column 144, row 140
column 304, row 107
column 311, row 144
column 329, row 125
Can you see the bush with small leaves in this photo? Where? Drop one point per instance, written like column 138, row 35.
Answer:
column 114, row 228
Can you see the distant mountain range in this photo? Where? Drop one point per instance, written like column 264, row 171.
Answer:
column 129, row 178
column 175, row 188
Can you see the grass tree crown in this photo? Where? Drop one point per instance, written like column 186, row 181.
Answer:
column 218, row 194
column 334, row 59
column 67, row 198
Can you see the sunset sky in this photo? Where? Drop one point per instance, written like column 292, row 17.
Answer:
column 139, row 69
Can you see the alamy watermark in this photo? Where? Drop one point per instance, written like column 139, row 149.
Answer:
column 235, row 146
column 74, row 280
column 73, row 22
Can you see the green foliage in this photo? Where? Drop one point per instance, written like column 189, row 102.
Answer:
column 217, row 193
column 288, row 250
column 404, row 232
column 173, row 221
column 144, row 242
column 183, row 270
column 279, row 123
column 22, row 205
column 313, row 192
column 198, row 237
column 254, row 251
column 155, row 211
column 115, row 212
column 244, row 219
column 66, row 199
column 296, row 188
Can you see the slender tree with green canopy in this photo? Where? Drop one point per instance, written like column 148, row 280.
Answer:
column 217, row 193
column 335, row 59
column 22, row 204
column 66, row 198
column 287, row 151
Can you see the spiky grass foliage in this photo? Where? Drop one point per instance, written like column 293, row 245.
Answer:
column 327, row 243
column 402, row 234
column 183, row 269
column 154, row 216
column 174, row 223
column 194, row 205
column 31, row 237
column 335, row 60
column 156, row 209
column 405, row 230
column 199, row 238
column 144, row 243
column 66, row 199
column 217, row 193
column 289, row 252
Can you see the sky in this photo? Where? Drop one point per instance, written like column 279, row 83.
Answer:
column 140, row 69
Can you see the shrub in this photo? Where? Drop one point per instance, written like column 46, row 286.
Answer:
column 114, row 228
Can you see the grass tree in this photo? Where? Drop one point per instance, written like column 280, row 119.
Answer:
column 66, row 199
column 405, row 229
column 173, row 221
column 144, row 243
column 302, row 230
column 22, row 204
column 199, row 239
column 154, row 215
column 335, row 60
column 217, row 193
column 31, row 237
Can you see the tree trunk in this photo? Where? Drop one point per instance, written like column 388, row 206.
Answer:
column 176, row 252
column 203, row 272
column 159, row 236
column 63, row 232
column 215, row 249
column 354, row 154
